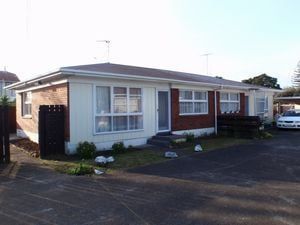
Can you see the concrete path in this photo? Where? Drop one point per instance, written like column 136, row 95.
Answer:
column 257, row 183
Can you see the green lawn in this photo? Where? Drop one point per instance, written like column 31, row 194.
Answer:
column 134, row 158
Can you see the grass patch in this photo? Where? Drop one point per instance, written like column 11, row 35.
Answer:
column 133, row 158
column 130, row 159
column 209, row 144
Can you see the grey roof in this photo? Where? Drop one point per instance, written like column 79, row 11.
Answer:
column 157, row 73
column 7, row 76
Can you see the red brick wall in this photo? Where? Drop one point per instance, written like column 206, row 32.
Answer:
column 54, row 95
column 188, row 122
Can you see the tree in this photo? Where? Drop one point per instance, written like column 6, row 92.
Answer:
column 4, row 100
column 290, row 92
column 296, row 77
column 263, row 80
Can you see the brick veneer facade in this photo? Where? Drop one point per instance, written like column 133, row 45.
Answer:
column 189, row 122
column 54, row 95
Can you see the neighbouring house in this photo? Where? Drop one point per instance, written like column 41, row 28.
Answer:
column 7, row 78
column 107, row 103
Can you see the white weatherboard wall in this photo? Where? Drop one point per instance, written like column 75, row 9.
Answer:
column 82, row 114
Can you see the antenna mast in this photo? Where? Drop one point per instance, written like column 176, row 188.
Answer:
column 107, row 42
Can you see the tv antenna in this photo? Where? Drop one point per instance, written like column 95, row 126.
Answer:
column 107, row 42
column 206, row 55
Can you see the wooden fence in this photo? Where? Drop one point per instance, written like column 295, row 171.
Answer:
column 51, row 130
column 12, row 119
column 4, row 135
column 239, row 126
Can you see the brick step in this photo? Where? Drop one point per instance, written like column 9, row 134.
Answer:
column 160, row 143
column 170, row 137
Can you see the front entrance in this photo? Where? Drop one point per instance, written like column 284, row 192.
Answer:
column 163, row 111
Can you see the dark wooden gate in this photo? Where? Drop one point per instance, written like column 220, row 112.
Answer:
column 51, row 130
column 4, row 135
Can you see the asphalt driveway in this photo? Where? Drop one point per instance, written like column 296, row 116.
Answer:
column 257, row 183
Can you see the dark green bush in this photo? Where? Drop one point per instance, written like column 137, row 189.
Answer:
column 86, row 150
column 81, row 170
column 118, row 148
column 190, row 137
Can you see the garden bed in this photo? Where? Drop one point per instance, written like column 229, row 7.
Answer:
column 27, row 146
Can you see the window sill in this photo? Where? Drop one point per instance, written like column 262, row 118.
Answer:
column 193, row 114
column 118, row 132
column 27, row 117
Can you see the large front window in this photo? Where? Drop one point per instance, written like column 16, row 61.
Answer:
column 230, row 102
column 118, row 109
column 192, row 102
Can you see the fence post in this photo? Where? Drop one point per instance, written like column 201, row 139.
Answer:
column 1, row 135
column 6, row 133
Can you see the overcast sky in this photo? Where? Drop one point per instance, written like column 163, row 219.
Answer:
column 246, row 38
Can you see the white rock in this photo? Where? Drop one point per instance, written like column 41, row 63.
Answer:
column 171, row 155
column 110, row 159
column 198, row 148
column 100, row 160
column 98, row 172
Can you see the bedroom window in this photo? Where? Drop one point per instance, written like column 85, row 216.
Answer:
column 229, row 102
column 118, row 109
column 26, row 103
column 193, row 102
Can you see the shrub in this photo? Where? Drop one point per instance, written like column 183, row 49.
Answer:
column 118, row 148
column 81, row 170
column 86, row 150
column 190, row 137
column 265, row 135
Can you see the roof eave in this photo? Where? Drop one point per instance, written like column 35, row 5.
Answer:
column 118, row 75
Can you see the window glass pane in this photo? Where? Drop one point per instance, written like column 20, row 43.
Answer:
column 186, row 107
column 120, row 123
column 266, row 104
column 185, row 95
column 103, row 124
column 200, row 95
column 224, row 107
column 233, row 106
column 135, row 104
column 135, row 91
column 103, row 100
column 200, row 107
column 260, row 106
column 234, row 96
column 135, row 122
column 224, row 96
column 119, row 90
column 120, row 100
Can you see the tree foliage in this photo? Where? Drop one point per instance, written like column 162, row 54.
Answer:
column 296, row 77
column 263, row 80
column 290, row 92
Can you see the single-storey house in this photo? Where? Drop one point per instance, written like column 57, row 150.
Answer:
column 7, row 78
column 107, row 103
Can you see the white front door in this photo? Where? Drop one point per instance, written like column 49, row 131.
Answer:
column 163, row 110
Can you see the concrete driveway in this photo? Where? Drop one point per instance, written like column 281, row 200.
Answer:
column 257, row 183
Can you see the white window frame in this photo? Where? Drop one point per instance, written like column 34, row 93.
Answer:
column 231, row 101
column 112, row 113
column 28, row 102
column 193, row 101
